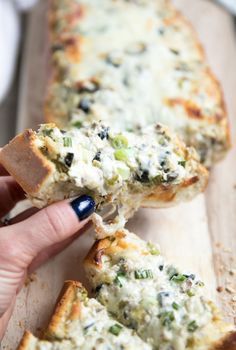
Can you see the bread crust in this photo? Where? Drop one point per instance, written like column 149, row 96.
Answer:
column 24, row 161
column 26, row 341
column 67, row 307
column 106, row 246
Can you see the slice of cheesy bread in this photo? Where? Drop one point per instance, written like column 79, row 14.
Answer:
column 82, row 323
column 30, row 342
column 134, row 63
column 165, row 306
column 152, row 168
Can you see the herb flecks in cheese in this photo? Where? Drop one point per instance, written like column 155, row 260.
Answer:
column 139, row 63
column 166, row 307
column 121, row 168
column 88, row 327
column 94, row 328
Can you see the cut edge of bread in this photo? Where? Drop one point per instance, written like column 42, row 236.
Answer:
column 27, row 342
column 93, row 261
column 24, row 161
column 67, row 307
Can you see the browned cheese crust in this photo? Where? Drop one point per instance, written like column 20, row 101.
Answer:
column 73, row 43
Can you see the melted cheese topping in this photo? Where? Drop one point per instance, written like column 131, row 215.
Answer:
column 138, row 63
column 93, row 329
column 166, row 308
column 118, row 168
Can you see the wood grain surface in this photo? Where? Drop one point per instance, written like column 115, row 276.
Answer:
column 200, row 235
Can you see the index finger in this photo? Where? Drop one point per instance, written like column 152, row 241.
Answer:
column 3, row 171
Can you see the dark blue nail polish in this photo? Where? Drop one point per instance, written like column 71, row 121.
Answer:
column 83, row 206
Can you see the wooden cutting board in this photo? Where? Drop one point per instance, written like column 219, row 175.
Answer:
column 200, row 235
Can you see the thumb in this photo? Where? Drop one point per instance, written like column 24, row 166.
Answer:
column 49, row 226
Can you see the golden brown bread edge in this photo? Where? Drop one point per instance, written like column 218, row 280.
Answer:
column 26, row 341
column 31, row 169
column 73, row 53
column 94, row 257
column 21, row 158
column 67, row 307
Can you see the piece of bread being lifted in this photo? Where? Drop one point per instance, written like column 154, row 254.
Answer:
column 152, row 168
column 165, row 306
column 83, row 323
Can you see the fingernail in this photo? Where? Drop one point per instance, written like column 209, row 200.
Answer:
column 83, row 206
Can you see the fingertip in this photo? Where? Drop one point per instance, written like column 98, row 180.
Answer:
column 83, row 207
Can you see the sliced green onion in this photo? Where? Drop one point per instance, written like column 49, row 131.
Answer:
column 123, row 154
column 167, row 317
column 158, row 179
column 152, row 249
column 120, row 279
column 115, row 329
column 182, row 162
column 178, row 278
column 67, row 142
column 120, row 141
column 78, row 124
column 175, row 306
column 192, row 326
column 190, row 293
column 143, row 274
column 124, row 172
column 47, row 132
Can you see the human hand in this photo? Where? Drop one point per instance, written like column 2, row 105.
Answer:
column 32, row 237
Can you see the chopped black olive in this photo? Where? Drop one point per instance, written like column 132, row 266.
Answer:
column 161, row 267
column 63, row 131
column 191, row 276
column 143, row 177
column 57, row 47
column 125, row 314
column 69, row 159
column 89, row 326
column 98, row 288
column 97, row 156
column 85, row 105
column 161, row 297
column 104, row 133
column 172, row 271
